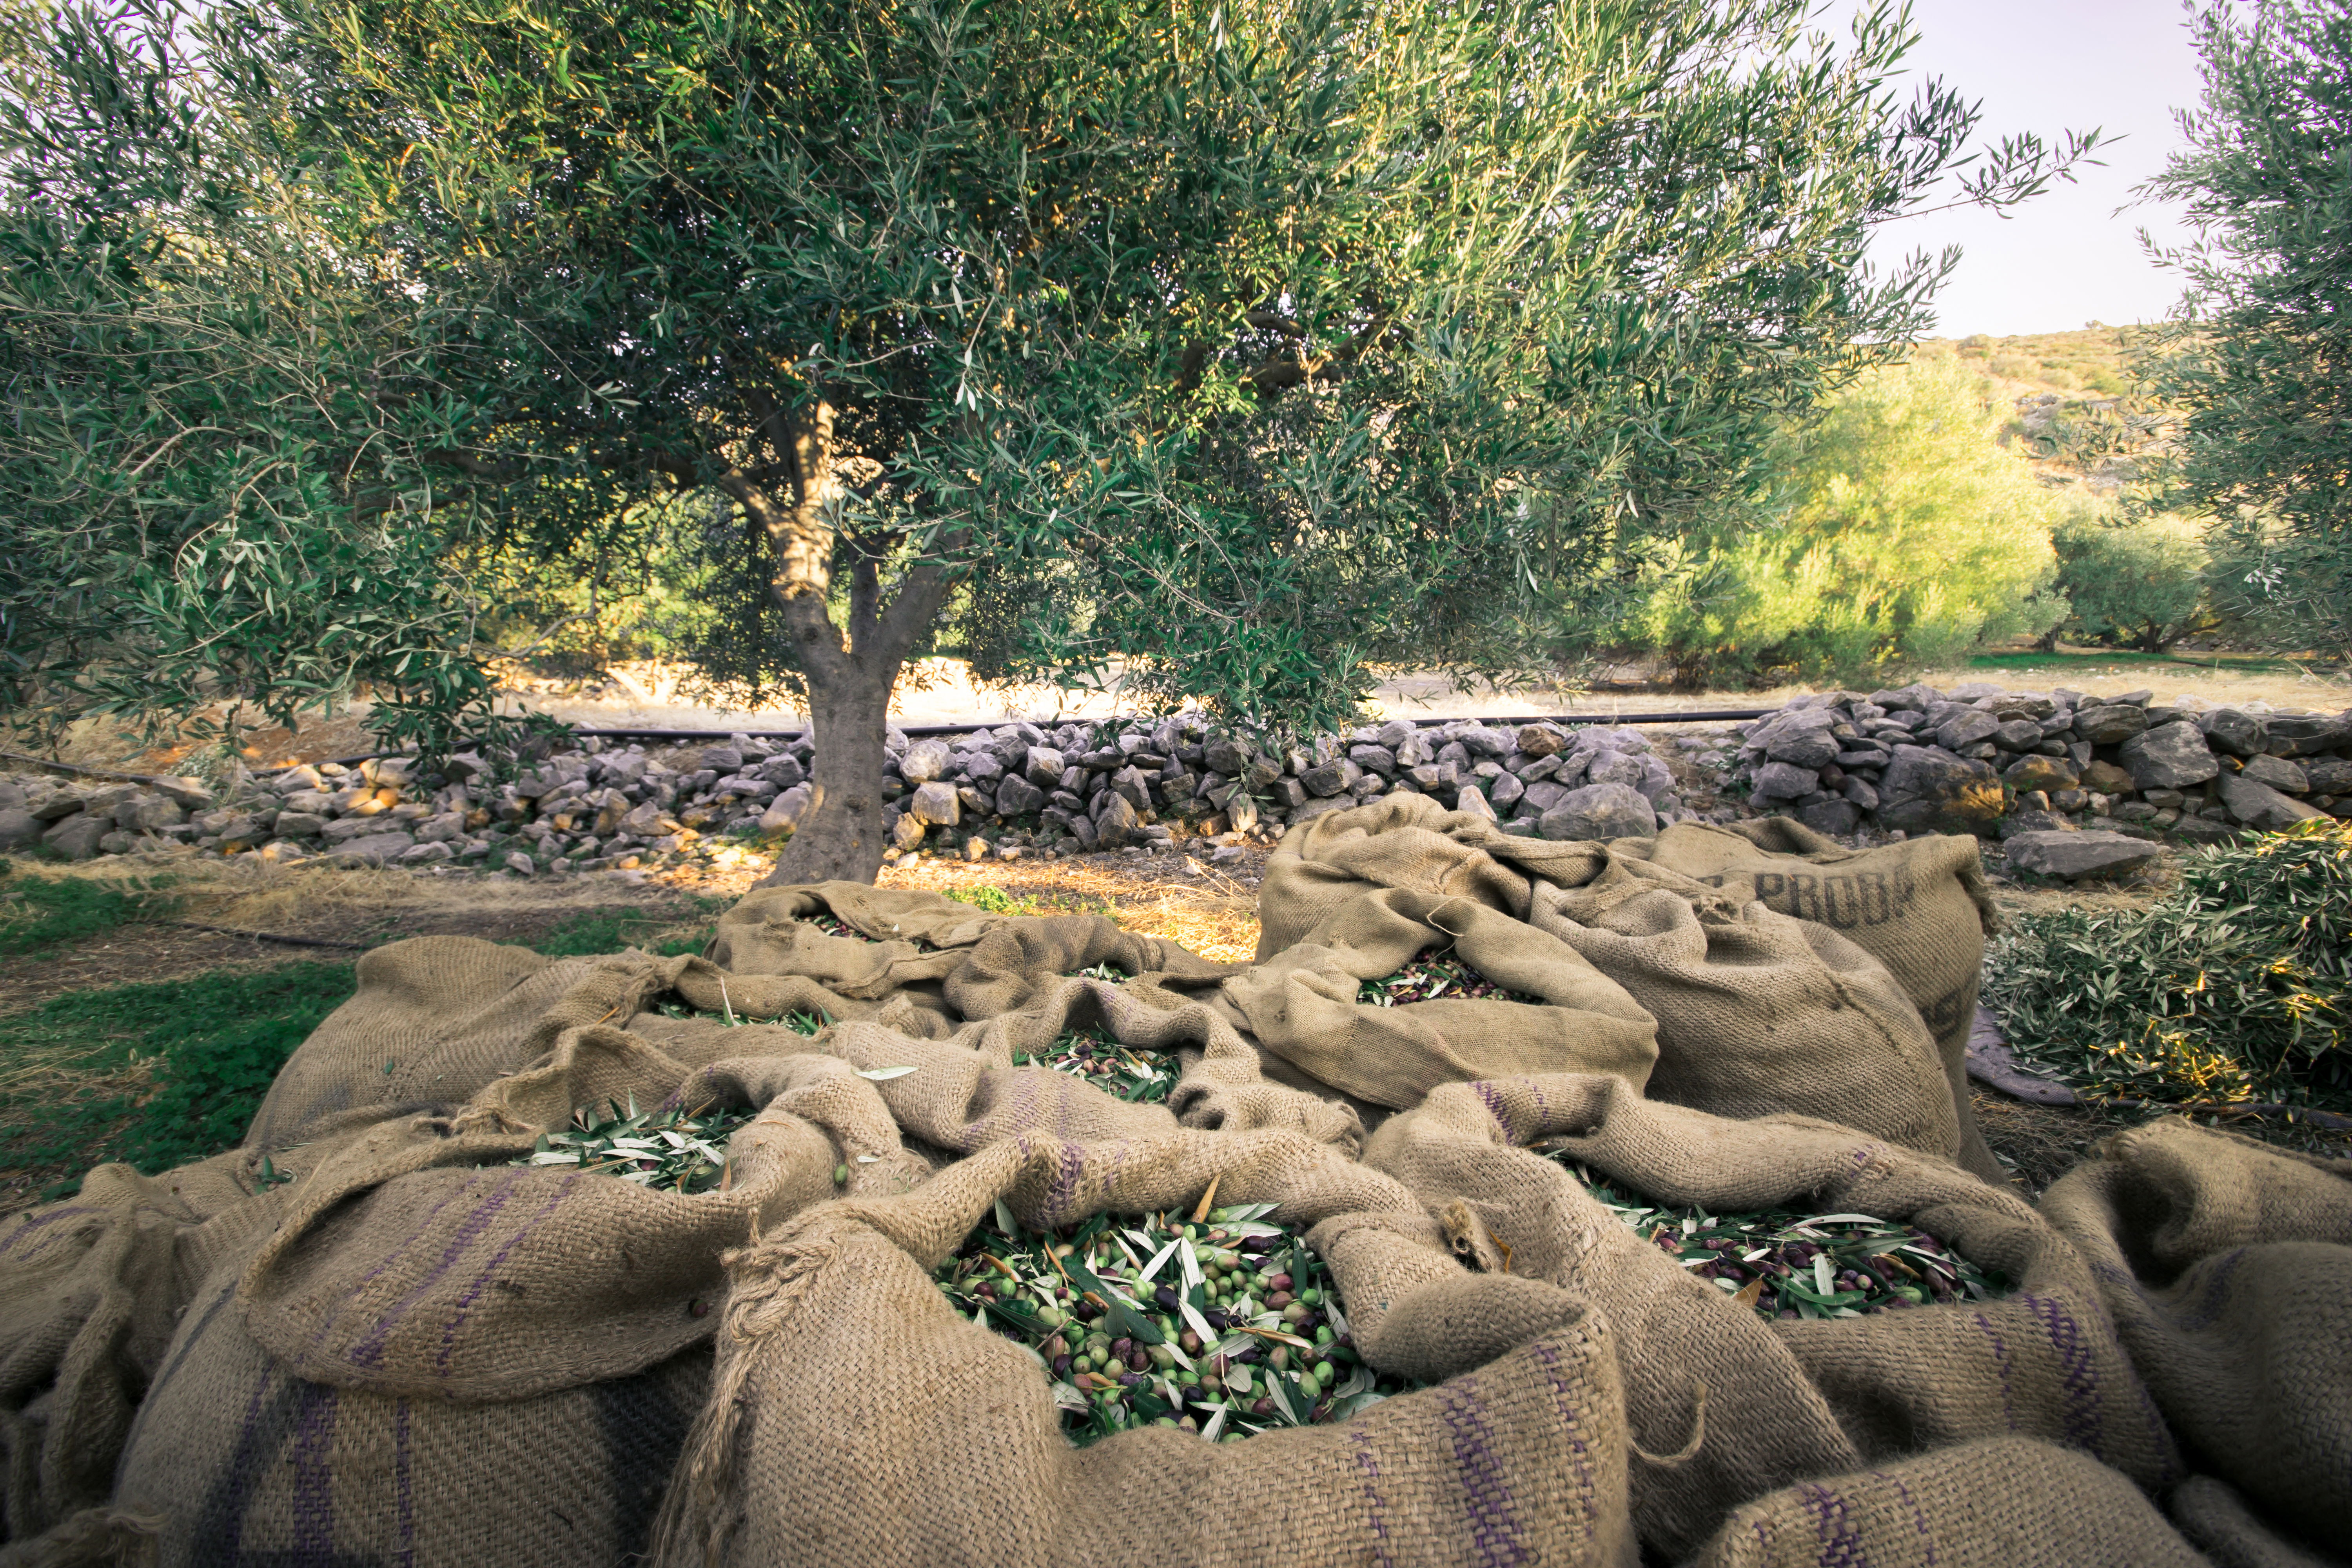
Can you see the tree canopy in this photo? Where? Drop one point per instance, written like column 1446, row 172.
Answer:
column 1235, row 349
column 2260, row 353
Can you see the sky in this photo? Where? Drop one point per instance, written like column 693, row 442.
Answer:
column 2067, row 256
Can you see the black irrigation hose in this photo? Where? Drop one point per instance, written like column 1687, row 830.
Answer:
column 273, row 936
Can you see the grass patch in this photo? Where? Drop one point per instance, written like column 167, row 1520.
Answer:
column 156, row 1076
column 595, row 931
column 37, row 912
column 2064, row 661
column 992, row 900
column 2236, row 987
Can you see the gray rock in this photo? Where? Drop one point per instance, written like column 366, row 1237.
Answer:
column 2111, row 724
column 723, row 759
column 1542, row 796
column 1532, row 768
column 2169, row 756
column 18, row 828
column 372, row 848
column 1927, row 789
column 55, row 805
column 185, row 794
column 1225, row 757
column 1600, row 811
column 1129, row 785
column 299, row 825
column 342, row 830
column 906, row 833
column 1614, row 767
column 1784, row 781
column 2071, row 856
column 1657, row 781
column 1374, row 759
column 1018, row 797
column 1861, row 792
column 2018, row 735
column 982, row 768
column 1801, row 739
column 2238, row 734
column 1504, row 790
column 1118, row 822
column 924, row 760
column 2286, row 777
column 1045, row 766
column 2259, row 806
column 519, row 863
column 2019, row 822
column 936, row 805
column 1832, row 816
column 976, row 802
column 1471, row 801
column 1481, row 741
column 2040, row 772
column 783, row 772
column 782, row 815
column 1539, row 740
column 2203, row 830
column 1966, row 730
column 2307, row 734
column 2329, row 775
column 1331, row 779
column 427, row 853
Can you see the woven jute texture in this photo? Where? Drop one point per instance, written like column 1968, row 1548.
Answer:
column 90, row 1291
column 2216, row 1520
column 810, row 1448
column 1021, row 959
column 1920, row 907
column 2005, row 1502
column 1764, row 1405
column 235, row 1460
column 2228, row 1266
column 1758, row 1012
column 436, row 1018
column 1302, row 1003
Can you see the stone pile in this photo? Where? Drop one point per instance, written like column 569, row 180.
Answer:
column 1016, row 788
column 1982, row 760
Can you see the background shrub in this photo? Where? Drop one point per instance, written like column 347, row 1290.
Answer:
column 2131, row 581
column 1902, row 534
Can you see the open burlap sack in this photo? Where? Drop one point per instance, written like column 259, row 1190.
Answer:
column 1920, row 907
column 2228, row 1267
column 810, row 1448
column 1786, row 1401
column 2005, row 1502
column 1301, row 1004
column 2215, row 1519
column 964, row 1093
column 90, row 1293
column 435, row 1354
column 436, row 1018
column 1405, row 841
column 1021, row 960
column 1758, row 1013
column 765, row 933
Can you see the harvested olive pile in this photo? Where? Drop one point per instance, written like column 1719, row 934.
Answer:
column 1226, row 1327
column 834, row 925
column 798, row 1023
column 671, row 1150
column 1131, row 1073
column 1787, row 1264
column 1426, row 979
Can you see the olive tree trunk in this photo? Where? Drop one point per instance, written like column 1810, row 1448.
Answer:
column 851, row 670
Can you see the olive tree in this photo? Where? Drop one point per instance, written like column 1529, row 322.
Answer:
column 1234, row 351
column 2256, row 355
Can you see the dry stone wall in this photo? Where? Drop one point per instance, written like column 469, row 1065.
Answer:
column 2023, row 766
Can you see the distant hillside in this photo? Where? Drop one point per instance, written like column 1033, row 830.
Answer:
column 2078, row 418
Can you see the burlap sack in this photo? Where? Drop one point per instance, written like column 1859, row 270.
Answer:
column 763, row 933
column 2228, row 1266
column 2006, row 1502
column 1301, row 1004
column 1921, row 907
column 1760, row 1013
column 964, row 1092
column 434, row 1353
column 2215, row 1519
column 1021, row 960
column 90, row 1293
column 438, row 1018
column 234, row 1459
column 1788, row 1400
column 810, row 1449
column 1405, row 841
